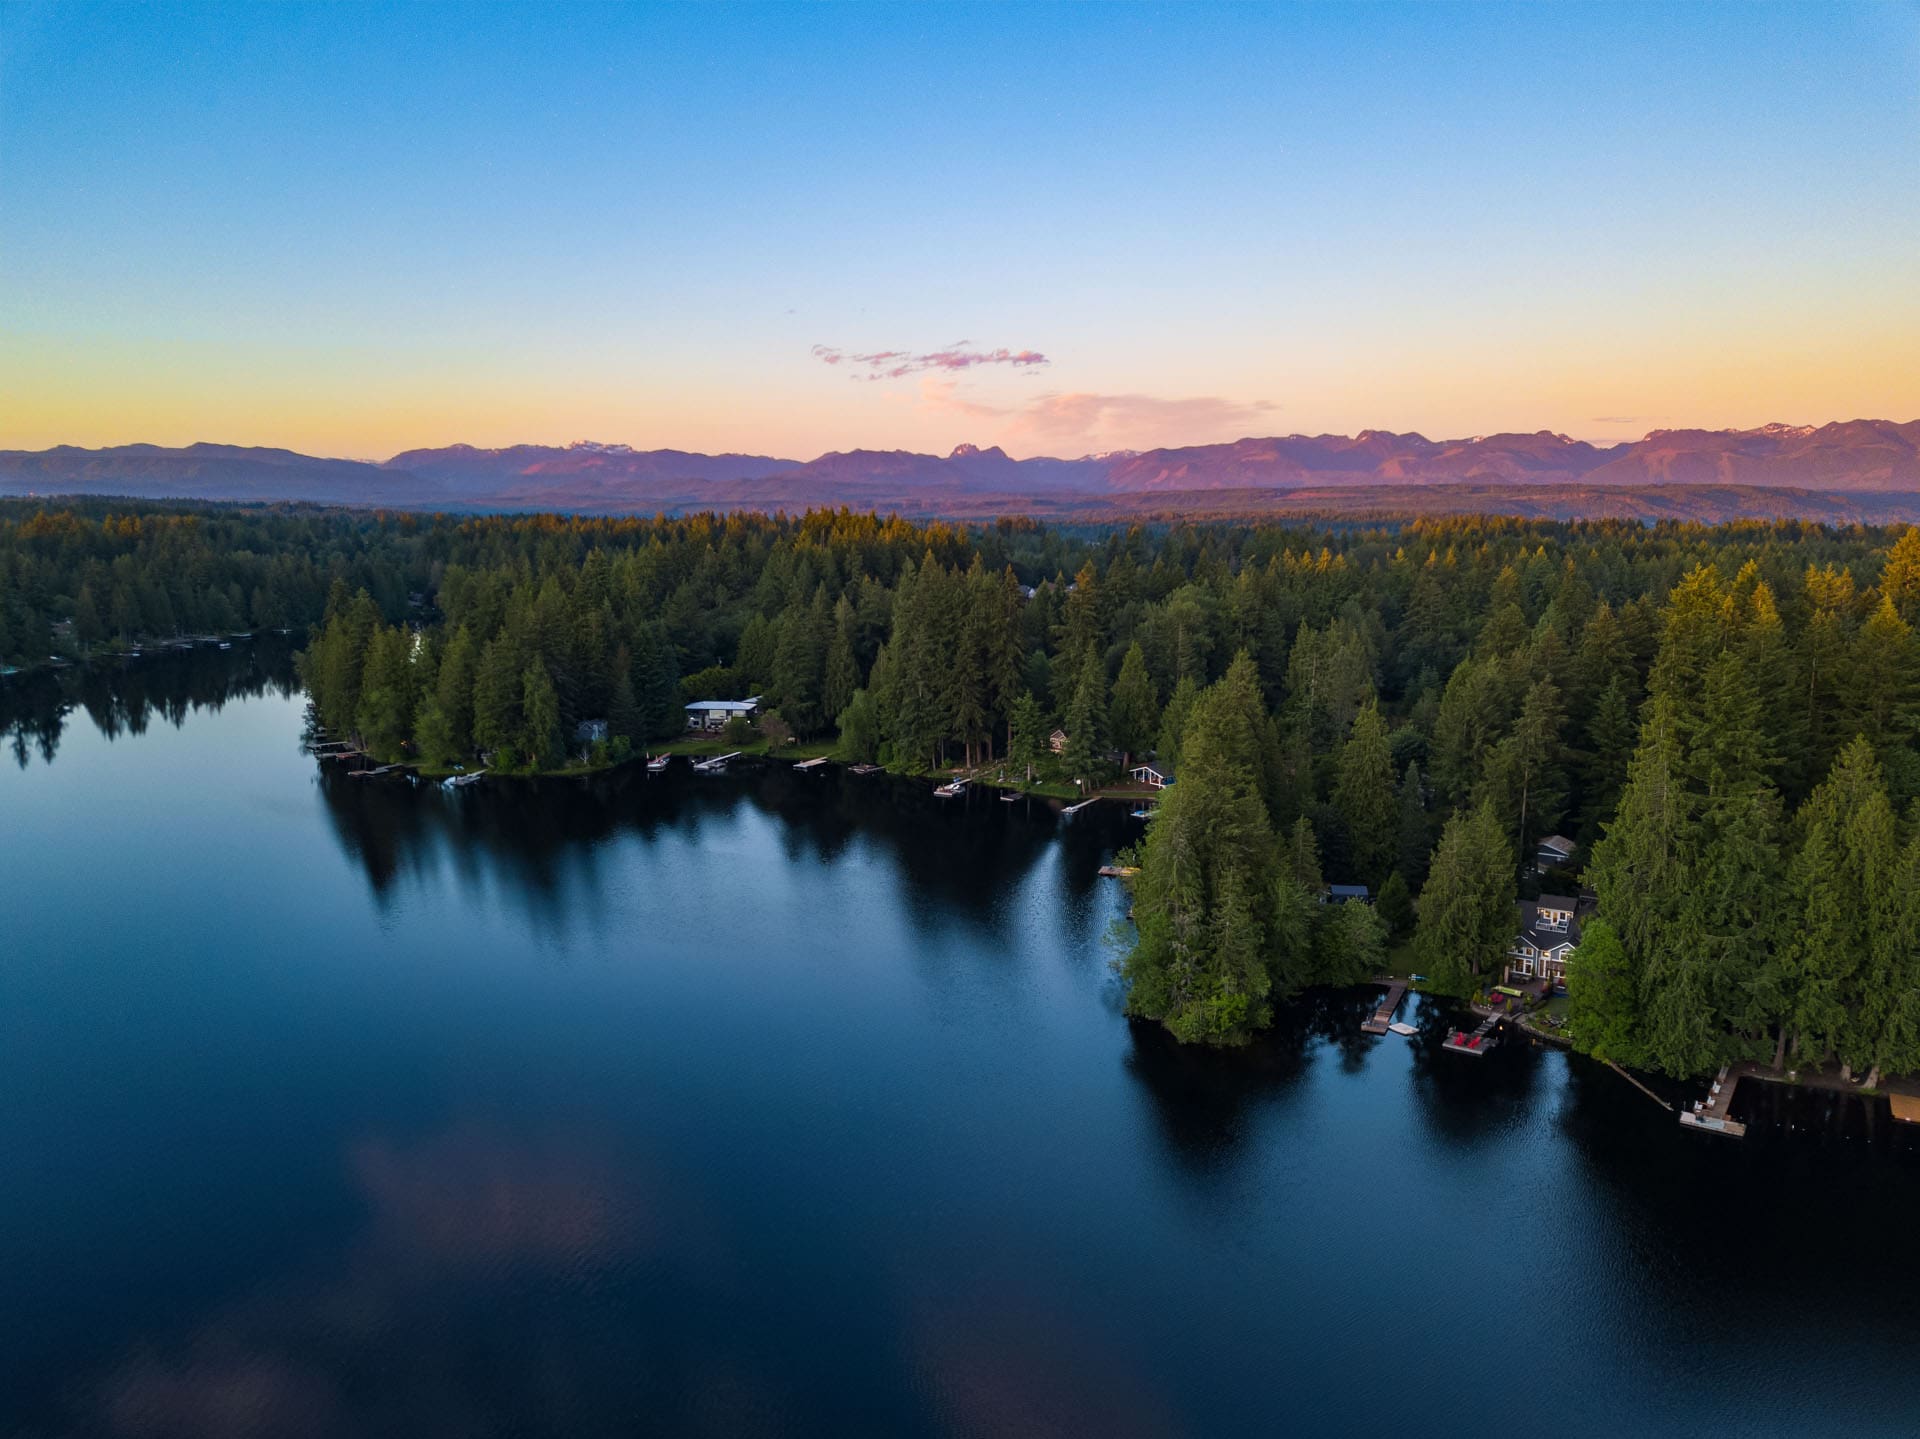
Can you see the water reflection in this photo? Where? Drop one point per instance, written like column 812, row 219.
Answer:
column 829, row 1113
column 123, row 696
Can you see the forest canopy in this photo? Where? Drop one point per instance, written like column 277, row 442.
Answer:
column 1722, row 719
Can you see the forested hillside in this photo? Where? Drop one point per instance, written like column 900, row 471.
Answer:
column 1723, row 718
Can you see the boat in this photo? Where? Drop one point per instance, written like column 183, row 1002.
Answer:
column 1400, row 1026
column 1009, row 796
column 866, row 769
column 951, row 788
column 656, row 763
column 225, row 646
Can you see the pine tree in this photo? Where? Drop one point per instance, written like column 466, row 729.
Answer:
column 842, row 675
column 1363, row 793
column 1840, row 951
column 385, row 719
column 1087, row 722
column 1467, row 907
column 1134, row 716
column 1413, row 837
column 539, row 740
column 1173, row 722
column 1204, row 900
column 1026, row 737
column 859, row 730
column 1603, row 1001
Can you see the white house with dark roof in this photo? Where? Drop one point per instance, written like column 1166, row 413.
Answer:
column 714, row 714
column 1548, row 934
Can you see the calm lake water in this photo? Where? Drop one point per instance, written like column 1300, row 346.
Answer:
column 804, row 1104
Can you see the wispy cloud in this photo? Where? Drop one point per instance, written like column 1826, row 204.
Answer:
column 1084, row 420
column 896, row 364
column 1618, row 420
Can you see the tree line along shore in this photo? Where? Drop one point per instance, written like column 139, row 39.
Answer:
column 1722, row 719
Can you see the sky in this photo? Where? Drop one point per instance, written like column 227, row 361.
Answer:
column 356, row 229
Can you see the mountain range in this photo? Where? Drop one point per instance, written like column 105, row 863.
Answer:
column 1856, row 469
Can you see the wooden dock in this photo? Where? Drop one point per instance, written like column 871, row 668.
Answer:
column 811, row 763
column 1480, row 1042
column 1713, row 1113
column 1076, row 808
column 1383, row 1011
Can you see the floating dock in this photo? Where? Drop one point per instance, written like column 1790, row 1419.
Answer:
column 1382, row 1018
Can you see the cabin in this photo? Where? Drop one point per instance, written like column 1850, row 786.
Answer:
column 1153, row 776
column 1346, row 894
column 1548, row 935
column 591, row 731
column 1553, row 852
column 712, row 715
column 1057, row 741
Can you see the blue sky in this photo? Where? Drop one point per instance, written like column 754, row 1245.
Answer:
column 357, row 228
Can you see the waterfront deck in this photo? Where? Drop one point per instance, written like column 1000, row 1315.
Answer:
column 1713, row 1113
column 1382, row 1016
column 1480, row 1042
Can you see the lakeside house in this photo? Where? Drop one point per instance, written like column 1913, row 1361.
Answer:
column 1057, row 741
column 712, row 715
column 1553, row 852
column 1153, row 776
column 1548, row 935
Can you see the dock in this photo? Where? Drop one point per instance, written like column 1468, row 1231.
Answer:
column 714, row 765
column 1478, row 1043
column 811, row 763
column 1382, row 1015
column 1076, row 808
column 1712, row 1113
column 866, row 769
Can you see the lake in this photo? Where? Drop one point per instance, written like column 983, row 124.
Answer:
column 801, row 1103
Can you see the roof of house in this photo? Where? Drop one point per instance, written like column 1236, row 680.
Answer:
column 1541, row 936
column 1347, row 891
column 1558, row 843
column 748, row 703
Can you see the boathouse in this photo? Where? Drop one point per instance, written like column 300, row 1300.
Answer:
column 1153, row 776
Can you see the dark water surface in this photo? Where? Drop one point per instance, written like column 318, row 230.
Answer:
column 787, row 1103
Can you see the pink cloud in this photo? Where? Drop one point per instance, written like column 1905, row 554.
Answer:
column 897, row 364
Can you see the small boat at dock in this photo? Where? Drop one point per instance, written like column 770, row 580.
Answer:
column 951, row 788
column 656, row 763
